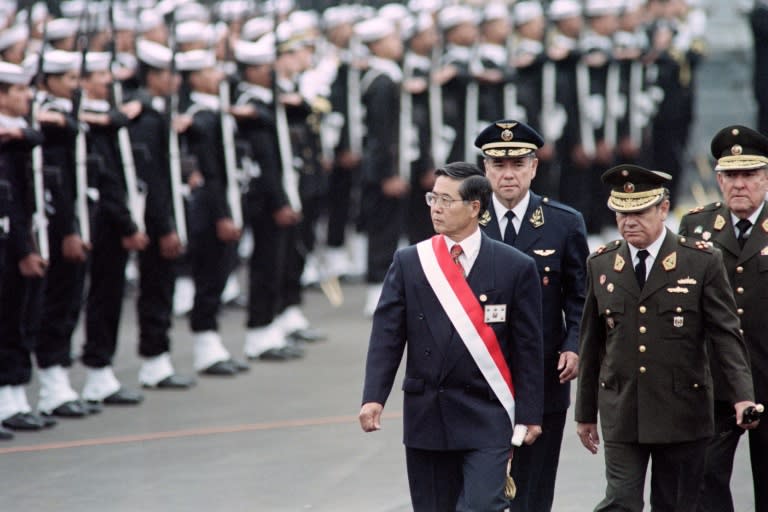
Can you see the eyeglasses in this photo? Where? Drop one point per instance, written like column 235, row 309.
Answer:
column 441, row 201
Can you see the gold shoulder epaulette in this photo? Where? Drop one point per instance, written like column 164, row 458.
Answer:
column 706, row 208
column 611, row 246
column 694, row 243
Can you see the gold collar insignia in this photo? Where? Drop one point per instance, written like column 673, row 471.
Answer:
column 537, row 218
column 670, row 262
column 719, row 222
column 618, row 263
column 485, row 218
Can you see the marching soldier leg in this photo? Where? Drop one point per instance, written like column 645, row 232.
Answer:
column 339, row 200
column 715, row 494
column 625, row 467
column 383, row 223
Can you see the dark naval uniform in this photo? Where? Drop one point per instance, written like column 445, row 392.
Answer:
column 645, row 362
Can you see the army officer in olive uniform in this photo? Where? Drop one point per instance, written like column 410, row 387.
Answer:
column 644, row 361
column 738, row 226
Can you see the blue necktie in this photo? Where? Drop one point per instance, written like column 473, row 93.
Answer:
column 509, row 233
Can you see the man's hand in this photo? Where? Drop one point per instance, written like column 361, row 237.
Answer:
column 588, row 435
column 181, row 123
column 534, row 431
column 740, row 407
column 370, row 416
column 132, row 109
column 74, row 249
column 32, row 265
column 394, row 186
column 286, row 216
column 135, row 242
column 568, row 365
column 226, row 231
column 170, row 246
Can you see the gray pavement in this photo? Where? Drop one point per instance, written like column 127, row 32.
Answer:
column 283, row 437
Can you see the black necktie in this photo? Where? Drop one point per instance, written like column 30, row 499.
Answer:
column 743, row 225
column 509, row 233
column 640, row 270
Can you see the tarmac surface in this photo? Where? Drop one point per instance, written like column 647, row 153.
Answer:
column 284, row 436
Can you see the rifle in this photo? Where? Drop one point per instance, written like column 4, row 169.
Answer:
column 405, row 125
column 136, row 199
column 585, row 120
column 39, row 218
column 230, row 158
column 472, row 106
column 174, row 154
column 290, row 180
column 81, row 150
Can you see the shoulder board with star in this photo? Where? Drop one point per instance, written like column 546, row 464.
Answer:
column 711, row 207
column 694, row 243
column 551, row 203
column 607, row 248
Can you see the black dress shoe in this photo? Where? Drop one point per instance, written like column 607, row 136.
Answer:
column 294, row 350
column 71, row 409
column 46, row 421
column 276, row 354
column 309, row 335
column 173, row 382
column 91, row 407
column 222, row 368
column 124, row 397
column 240, row 366
column 23, row 421
column 5, row 435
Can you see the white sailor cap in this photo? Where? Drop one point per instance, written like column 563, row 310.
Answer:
column 396, row 13
column 304, row 23
column 13, row 35
column 256, row 53
column 430, row 6
column 633, row 5
column 123, row 19
column 60, row 28
column 455, row 15
column 562, row 9
column 195, row 60
column 149, row 19
column 280, row 7
column 97, row 61
column 192, row 11
column 496, row 11
column 153, row 54
column 373, row 29
column 57, row 62
column 231, row 10
column 417, row 24
column 254, row 28
column 339, row 15
column 194, row 31
column 528, row 10
column 594, row 8
column 14, row 74
column 73, row 9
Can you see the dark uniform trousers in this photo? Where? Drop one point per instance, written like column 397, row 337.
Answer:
column 383, row 221
column 264, row 278
column 155, row 302
column 20, row 306
column 716, row 484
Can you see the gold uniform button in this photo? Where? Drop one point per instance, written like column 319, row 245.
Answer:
column 643, row 309
column 546, row 269
column 741, row 331
column 641, row 348
column 642, row 369
column 607, row 311
column 602, row 384
column 678, row 309
column 740, row 290
column 642, row 329
column 696, row 385
column 740, row 311
column 682, row 239
column 739, row 269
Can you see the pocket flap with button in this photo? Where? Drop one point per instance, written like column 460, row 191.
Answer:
column 689, row 380
column 413, row 385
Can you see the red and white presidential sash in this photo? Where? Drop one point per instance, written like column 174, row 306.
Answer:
column 466, row 315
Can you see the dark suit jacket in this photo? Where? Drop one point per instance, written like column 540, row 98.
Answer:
column 748, row 273
column 448, row 403
column 557, row 240
column 644, row 357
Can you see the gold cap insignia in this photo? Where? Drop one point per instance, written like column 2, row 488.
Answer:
column 537, row 218
column 670, row 262
column 735, row 131
column 719, row 222
column 507, row 135
column 629, row 187
column 736, row 149
column 764, row 225
column 618, row 263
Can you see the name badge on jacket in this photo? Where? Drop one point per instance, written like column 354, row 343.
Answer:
column 495, row 313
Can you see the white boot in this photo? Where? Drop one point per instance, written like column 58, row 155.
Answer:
column 55, row 389
column 7, row 402
column 372, row 299
column 358, row 250
column 209, row 350
column 231, row 289
column 155, row 369
column 291, row 320
column 260, row 339
column 99, row 384
column 20, row 396
column 183, row 296
column 337, row 262
column 311, row 273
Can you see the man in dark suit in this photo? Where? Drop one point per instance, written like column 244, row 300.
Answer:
column 738, row 226
column 554, row 235
column 464, row 338
column 644, row 365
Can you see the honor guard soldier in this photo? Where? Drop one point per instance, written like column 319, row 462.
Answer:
column 267, row 207
column 149, row 133
column 738, row 226
column 13, row 44
column 758, row 21
column 383, row 188
column 21, row 274
column 555, row 237
column 213, row 233
column 653, row 300
column 495, row 31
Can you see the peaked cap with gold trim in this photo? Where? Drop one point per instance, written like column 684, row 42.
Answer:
column 634, row 188
column 508, row 139
column 739, row 148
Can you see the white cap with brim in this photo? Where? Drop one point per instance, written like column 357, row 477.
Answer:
column 194, row 31
column 154, row 54
column 254, row 28
column 495, row 11
column 374, row 29
column 527, row 11
column 256, row 53
column 60, row 28
column 195, row 60
column 13, row 35
column 339, row 15
column 596, row 8
column 192, row 11
column 14, row 74
column 58, row 62
column 455, row 15
column 563, row 9
column 97, row 61
column 149, row 19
